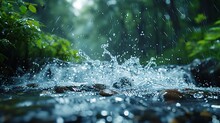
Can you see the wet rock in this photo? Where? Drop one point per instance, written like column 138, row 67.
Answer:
column 99, row 86
column 60, row 89
column 171, row 95
column 206, row 72
column 63, row 89
column 32, row 85
column 84, row 87
column 123, row 82
column 74, row 88
column 107, row 92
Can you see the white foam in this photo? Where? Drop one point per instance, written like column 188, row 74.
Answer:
column 108, row 72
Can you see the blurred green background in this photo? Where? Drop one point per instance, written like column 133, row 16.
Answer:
column 173, row 32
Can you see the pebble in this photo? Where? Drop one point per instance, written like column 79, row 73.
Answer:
column 107, row 92
column 99, row 86
column 172, row 95
column 60, row 89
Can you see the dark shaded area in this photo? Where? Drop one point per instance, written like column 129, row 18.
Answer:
column 206, row 72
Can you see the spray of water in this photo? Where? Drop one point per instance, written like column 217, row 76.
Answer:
column 108, row 72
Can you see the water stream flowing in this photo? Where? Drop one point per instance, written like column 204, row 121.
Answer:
column 65, row 91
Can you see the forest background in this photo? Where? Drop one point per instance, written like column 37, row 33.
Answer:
column 173, row 32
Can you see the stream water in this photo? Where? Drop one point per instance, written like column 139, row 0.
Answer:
column 106, row 91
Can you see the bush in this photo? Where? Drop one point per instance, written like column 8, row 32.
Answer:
column 205, row 43
column 22, row 41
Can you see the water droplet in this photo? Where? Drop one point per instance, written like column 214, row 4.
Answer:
column 93, row 100
column 126, row 112
column 104, row 113
column 198, row 95
column 109, row 119
column 118, row 99
column 142, row 33
column 60, row 120
column 178, row 104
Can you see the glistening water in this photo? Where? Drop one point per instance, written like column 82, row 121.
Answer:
column 106, row 91
column 91, row 71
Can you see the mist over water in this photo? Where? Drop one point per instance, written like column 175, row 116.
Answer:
column 150, row 76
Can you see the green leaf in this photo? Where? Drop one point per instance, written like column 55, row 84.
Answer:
column 200, row 18
column 32, row 8
column 203, row 42
column 217, row 22
column 212, row 36
column 23, row 9
column 215, row 29
column 39, row 43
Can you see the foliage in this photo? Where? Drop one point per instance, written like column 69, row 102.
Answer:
column 146, row 29
column 205, row 43
column 22, row 41
column 175, row 32
column 199, row 18
column 58, row 17
column 52, row 46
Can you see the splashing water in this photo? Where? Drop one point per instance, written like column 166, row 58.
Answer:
column 91, row 71
column 141, row 101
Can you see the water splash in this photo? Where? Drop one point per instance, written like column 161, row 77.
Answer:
column 148, row 88
column 58, row 73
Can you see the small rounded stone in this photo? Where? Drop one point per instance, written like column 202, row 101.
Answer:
column 107, row 92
